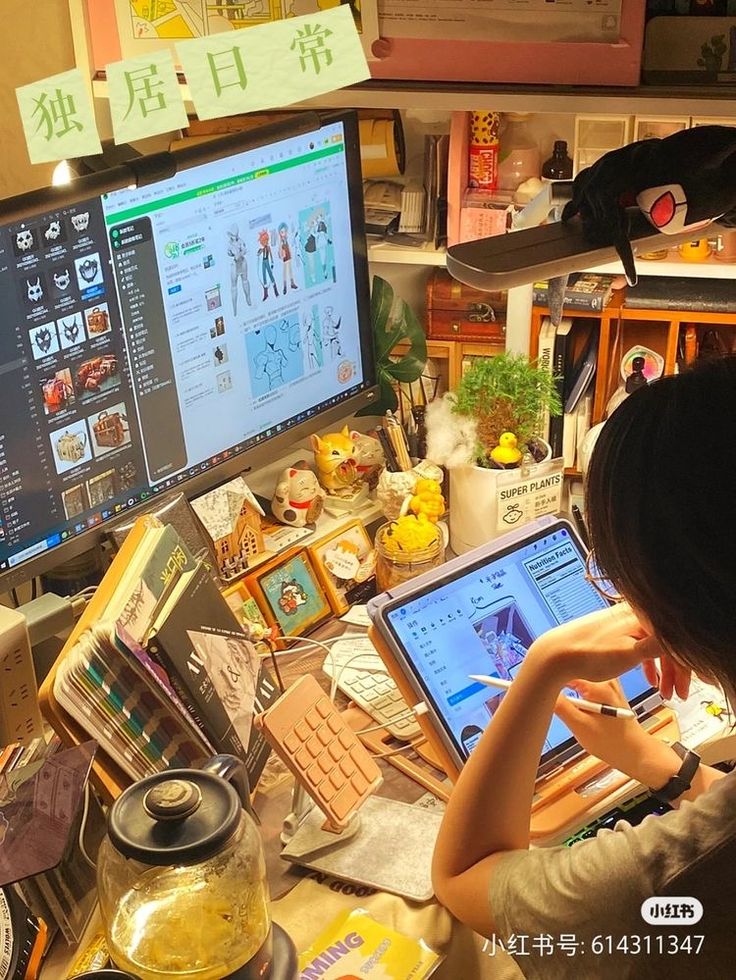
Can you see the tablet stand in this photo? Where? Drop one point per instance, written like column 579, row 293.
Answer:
column 563, row 798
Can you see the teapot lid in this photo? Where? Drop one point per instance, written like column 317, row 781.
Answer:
column 180, row 816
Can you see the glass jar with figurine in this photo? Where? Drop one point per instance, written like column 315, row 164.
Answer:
column 415, row 542
column 404, row 552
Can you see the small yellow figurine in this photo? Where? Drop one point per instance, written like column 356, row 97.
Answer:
column 334, row 456
column 428, row 500
column 506, row 453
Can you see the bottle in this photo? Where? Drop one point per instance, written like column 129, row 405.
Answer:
column 519, row 153
column 559, row 165
column 483, row 150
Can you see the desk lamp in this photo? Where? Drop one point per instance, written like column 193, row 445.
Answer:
column 679, row 185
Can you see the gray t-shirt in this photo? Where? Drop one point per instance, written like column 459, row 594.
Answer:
column 587, row 898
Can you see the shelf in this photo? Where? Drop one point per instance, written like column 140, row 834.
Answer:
column 674, row 266
column 448, row 97
column 406, row 254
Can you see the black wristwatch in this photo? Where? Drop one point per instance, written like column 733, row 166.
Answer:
column 682, row 781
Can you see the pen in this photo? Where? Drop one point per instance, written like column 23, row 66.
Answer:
column 580, row 525
column 593, row 707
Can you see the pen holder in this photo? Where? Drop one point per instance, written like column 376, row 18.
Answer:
column 394, row 567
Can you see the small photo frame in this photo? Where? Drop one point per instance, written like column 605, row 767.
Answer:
column 289, row 594
column 345, row 562
column 247, row 612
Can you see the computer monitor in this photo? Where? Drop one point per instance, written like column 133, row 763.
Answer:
column 173, row 321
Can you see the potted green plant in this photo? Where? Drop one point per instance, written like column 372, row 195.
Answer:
column 493, row 422
column 394, row 323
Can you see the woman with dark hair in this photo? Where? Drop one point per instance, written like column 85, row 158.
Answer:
column 660, row 509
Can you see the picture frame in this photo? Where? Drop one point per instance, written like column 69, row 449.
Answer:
column 348, row 549
column 289, row 593
column 247, row 611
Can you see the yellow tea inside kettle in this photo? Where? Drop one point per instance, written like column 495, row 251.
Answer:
column 181, row 879
column 178, row 924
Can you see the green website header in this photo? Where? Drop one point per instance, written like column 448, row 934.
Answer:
column 221, row 185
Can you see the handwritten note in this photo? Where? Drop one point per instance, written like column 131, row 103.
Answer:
column 145, row 99
column 58, row 119
column 274, row 65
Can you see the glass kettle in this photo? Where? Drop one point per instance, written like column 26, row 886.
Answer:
column 181, row 877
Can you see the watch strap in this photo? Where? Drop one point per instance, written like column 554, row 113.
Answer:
column 682, row 780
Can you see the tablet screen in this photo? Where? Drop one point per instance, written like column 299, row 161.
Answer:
column 483, row 619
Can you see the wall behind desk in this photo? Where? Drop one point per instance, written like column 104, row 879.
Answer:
column 35, row 41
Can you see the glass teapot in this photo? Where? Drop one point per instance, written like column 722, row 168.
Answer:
column 182, row 878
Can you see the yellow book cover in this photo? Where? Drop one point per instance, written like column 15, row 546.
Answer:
column 355, row 947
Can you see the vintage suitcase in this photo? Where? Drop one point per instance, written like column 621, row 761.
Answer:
column 458, row 312
column 70, row 446
column 110, row 430
column 98, row 321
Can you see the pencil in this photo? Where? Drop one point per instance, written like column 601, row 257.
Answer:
column 592, row 707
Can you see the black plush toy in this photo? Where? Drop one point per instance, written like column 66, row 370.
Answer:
column 682, row 182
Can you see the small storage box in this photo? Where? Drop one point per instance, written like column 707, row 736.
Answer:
column 458, row 312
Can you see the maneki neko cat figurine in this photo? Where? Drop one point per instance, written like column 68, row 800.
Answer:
column 335, row 457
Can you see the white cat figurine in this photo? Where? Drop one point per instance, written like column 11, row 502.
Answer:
column 298, row 498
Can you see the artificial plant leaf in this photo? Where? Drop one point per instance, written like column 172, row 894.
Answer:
column 407, row 368
column 382, row 301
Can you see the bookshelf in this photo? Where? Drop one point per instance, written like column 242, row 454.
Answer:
column 621, row 328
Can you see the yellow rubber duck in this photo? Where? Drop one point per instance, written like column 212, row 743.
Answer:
column 506, row 453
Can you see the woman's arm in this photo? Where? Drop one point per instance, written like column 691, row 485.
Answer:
column 489, row 809
column 624, row 744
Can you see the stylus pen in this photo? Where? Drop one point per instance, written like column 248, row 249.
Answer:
column 593, row 707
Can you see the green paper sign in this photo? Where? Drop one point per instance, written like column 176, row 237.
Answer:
column 58, row 119
column 145, row 99
column 273, row 65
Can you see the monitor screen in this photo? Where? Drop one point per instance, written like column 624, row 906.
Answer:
column 152, row 334
column 483, row 620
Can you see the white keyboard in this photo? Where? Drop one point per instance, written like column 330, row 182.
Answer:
column 365, row 681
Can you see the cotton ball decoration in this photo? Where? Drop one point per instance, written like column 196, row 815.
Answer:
column 451, row 438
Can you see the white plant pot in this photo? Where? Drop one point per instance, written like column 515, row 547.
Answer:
column 473, row 516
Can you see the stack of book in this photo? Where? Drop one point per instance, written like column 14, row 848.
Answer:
column 585, row 291
column 570, row 354
column 163, row 674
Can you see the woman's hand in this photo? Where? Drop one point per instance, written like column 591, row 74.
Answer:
column 671, row 678
column 596, row 647
column 620, row 742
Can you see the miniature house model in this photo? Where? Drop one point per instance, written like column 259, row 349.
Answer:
column 232, row 518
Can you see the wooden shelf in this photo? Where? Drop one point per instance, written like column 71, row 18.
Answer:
column 426, row 255
column 448, row 97
column 673, row 265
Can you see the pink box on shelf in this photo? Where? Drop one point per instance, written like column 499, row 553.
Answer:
column 553, row 62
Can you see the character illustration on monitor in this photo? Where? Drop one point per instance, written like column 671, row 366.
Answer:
column 286, row 259
column 312, row 341
column 238, row 266
column 316, row 241
column 505, row 636
column 277, row 359
column 331, row 332
column 265, row 263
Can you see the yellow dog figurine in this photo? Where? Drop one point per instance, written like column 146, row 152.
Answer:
column 334, row 456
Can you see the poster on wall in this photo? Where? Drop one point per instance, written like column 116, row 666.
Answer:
column 517, row 21
column 120, row 29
